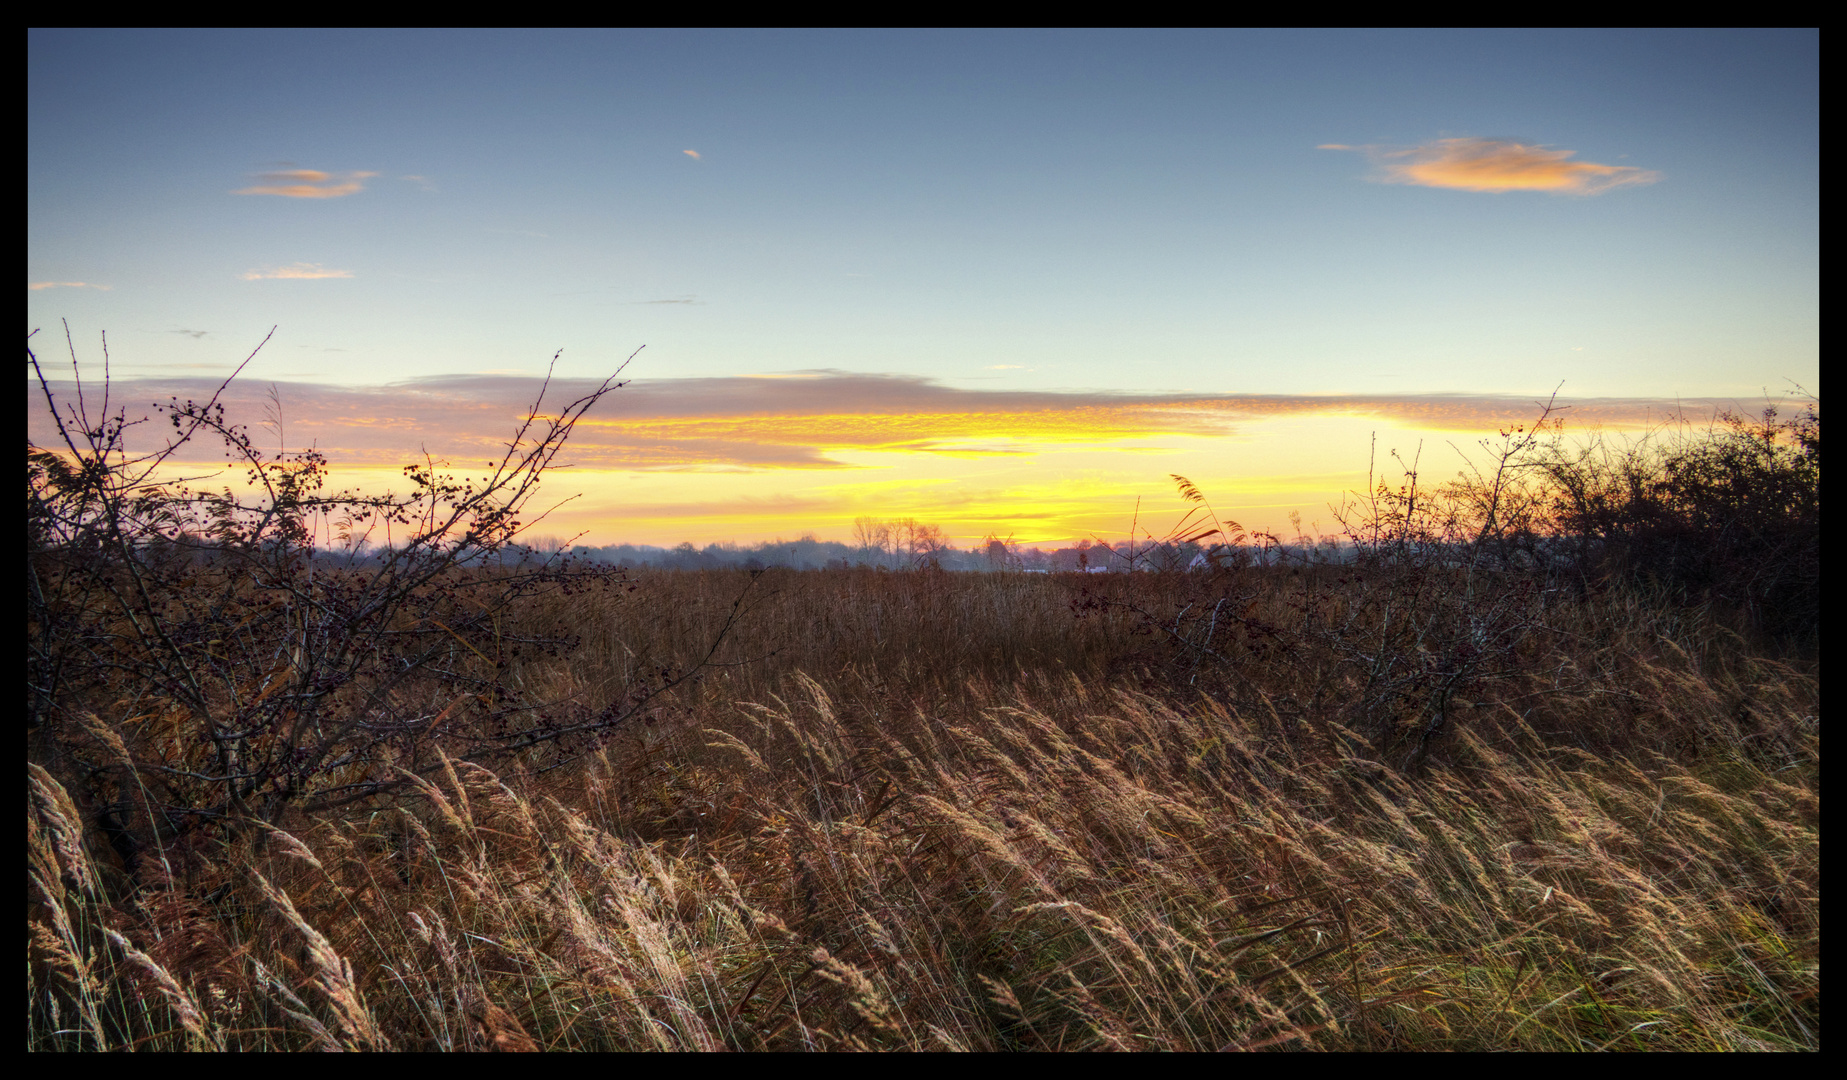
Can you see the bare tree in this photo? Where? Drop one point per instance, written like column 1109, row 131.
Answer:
column 871, row 536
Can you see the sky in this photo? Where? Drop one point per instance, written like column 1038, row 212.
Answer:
column 1006, row 282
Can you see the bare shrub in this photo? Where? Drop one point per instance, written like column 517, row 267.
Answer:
column 253, row 650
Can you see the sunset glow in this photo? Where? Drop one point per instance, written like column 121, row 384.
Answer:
column 668, row 459
column 1007, row 283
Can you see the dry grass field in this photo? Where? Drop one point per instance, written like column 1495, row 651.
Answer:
column 1003, row 811
column 1532, row 762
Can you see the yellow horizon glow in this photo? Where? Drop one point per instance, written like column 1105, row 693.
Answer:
column 678, row 463
column 1048, row 493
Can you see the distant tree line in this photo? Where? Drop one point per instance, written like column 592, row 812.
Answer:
column 906, row 545
column 903, row 544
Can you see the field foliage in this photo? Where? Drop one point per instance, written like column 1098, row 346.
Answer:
column 1534, row 763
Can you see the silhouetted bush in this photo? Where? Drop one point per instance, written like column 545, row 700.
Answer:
column 1732, row 516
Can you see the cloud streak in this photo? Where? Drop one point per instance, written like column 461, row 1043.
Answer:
column 35, row 286
column 827, row 420
column 1496, row 165
column 295, row 271
column 307, row 184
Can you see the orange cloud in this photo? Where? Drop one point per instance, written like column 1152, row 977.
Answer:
column 827, row 420
column 37, row 285
column 299, row 270
column 307, row 184
column 694, row 154
column 1497, row 165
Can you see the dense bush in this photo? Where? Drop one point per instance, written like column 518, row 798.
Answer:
column 1733, row 516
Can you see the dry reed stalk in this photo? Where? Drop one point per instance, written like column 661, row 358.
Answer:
column 61, row 824
column 333, row 972
column 293, row 846
column 297, row 1009
column 181, row 1002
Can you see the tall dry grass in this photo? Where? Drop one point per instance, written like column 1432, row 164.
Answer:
column 931, row 811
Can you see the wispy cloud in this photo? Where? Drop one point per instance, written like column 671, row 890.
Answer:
column 193, row 334
column 300, row 270
column 423, row 182
column 35, row 286
column 826, row 420
column 694, row 154
column 307, row 184
column 1497, row 165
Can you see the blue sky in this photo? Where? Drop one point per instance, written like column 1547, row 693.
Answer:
column 1630, row 214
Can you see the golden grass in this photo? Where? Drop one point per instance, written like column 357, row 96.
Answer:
column 931, row 811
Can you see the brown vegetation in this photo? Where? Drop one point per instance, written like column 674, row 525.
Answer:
column 964, row 831
column 1418, row 799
